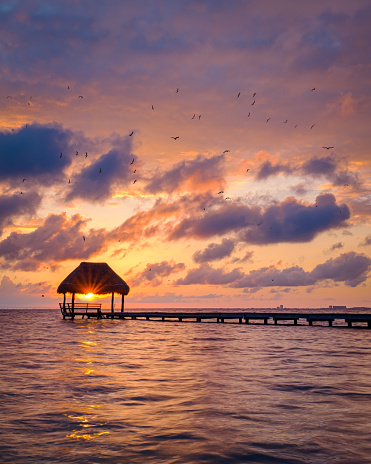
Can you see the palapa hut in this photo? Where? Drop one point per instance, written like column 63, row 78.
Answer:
column 96, row 278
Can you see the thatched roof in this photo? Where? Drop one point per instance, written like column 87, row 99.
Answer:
column 97, row 278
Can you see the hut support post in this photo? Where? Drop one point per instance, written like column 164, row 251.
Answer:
column 73, row 307
column 122, row 302
column 113, row 293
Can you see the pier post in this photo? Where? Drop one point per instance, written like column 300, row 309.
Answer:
column 240, row 320
column 310, row 322
column 198, row 319
column 330, row 323
column 265, row 321
column 122, row 302
column 247, row 320
column 295, row 322
column 349, row 323
column 73, row 307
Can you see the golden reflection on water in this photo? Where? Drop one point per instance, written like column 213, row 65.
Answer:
column 89, row 418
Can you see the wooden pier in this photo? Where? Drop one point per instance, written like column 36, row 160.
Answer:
column 93, row 310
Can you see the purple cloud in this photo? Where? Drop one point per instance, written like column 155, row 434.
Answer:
column 205, row 274
column 155, row 272
column 97, row 182
column 267, row 169
column 16, row 205
column 214, row 251
column 58, row 239
column 33, row 153
column 200, row 173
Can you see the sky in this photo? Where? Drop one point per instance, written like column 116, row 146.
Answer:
column 215, row 153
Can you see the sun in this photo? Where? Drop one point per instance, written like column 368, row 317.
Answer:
column 89, row 296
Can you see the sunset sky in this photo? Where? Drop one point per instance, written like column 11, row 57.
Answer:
column 246, row 208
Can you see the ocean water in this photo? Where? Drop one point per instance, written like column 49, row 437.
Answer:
column 123, row 391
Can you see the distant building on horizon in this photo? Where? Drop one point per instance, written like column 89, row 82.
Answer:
column 337, row 307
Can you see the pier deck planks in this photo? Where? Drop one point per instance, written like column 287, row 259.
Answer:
column 266, row 317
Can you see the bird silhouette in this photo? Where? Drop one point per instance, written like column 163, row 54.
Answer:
column 153, row 107
column 248, row 115
column 199, row 117
column 60, row 156
column 239, row 93
column 313, row 89
column 175, row 138
column 100, row 170
column 253, row 103
column 68, row 86
column 285, row 121
column 24, row 180
column 327, row 148
column 134, row 181
column 69, row 181
column 131, row 133
column 312, row 126
column 86, row 154
column 222, row 191
column 295, row 126
column 226, row 151
column 177, row 90
column 248, row 169
column 9, row 96
column 80, row 96
column 132, row 161
column 83, row 237
column 134, row 171
column 253, row 95
column 267, row 120
column 193, row 116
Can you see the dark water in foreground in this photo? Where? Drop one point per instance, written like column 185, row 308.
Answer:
column 113, row 391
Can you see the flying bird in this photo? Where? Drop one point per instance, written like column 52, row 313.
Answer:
column 222, row 191
column 327, row 148
column 83, row 237
column 69, row 181
column 199, row 117
column 80, row 96
column 248, row 115
column 134, row 181
column 177, row 90
column 253, row 94
column 313, row 89
column 132, row 161
column 131, row 133
column 60, row 156
column 253, row 103
column 193, row 116
column 285, row 121
column 226, row 151
column 134, row 171
column 9, row 96
column 239, row 93
column 86, row 154
column 153, row 107
column 267, row 120
column 312, row 125
column 295, row 126
column 24, row 180
column 175, row 137
column 68, row 86
column 248, row 169
column 100, row 170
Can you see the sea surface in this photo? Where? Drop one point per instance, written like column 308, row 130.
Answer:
column 134, row 391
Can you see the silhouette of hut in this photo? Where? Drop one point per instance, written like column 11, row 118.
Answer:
column 96, row 278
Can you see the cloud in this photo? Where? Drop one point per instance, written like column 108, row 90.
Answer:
column 294, row 221
column 214, row 251
column 366, row 242
column 350, row 268
column 199, row 174
column 267, row 169
column 155, row 272
column 57, row 239
column 287, row 221
column 33, row 153
column 206, row 275
column 98, row 181
column 16, row 205
column 335, row 246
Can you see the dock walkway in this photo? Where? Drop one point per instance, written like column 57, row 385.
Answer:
column 266, row 317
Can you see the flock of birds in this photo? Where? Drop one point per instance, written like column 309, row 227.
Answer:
column 175, row 138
